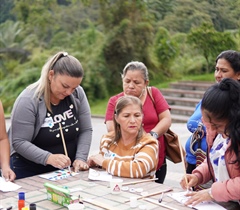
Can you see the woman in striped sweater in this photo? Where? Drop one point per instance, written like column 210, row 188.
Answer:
column 128, row 151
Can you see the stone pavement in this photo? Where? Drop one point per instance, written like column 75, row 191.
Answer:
column 174, row 171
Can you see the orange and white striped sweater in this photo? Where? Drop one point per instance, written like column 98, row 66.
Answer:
column 132, row 161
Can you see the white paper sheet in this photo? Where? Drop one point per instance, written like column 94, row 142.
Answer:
column 99, row 175
column 7, row 186
column 181, row 198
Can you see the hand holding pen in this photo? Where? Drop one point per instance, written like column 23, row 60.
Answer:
column 188, row 181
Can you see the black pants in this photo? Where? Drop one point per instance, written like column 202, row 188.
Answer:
column 161, row 173
column 26, row 168
column 190, row 168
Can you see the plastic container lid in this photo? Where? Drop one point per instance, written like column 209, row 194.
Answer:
column 32, row 206
column 21, row 196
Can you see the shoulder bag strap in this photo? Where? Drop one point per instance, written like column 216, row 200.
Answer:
column 149, row 91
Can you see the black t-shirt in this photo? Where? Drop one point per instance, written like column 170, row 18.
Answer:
column 49, row 137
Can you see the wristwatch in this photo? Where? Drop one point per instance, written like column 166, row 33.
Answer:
column 154, row 134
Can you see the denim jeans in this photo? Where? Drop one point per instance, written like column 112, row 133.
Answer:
column 26, row 168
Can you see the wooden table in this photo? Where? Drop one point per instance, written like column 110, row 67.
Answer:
column 98, row 191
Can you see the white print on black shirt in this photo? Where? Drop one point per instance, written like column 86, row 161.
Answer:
column 50, row 121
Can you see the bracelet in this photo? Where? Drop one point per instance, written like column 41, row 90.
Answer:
column 210, row 193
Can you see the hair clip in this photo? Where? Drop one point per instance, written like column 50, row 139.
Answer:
column 65, row 54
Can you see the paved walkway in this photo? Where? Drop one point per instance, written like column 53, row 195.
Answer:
column 174, row 171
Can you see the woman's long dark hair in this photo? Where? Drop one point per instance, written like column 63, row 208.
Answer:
column 222, row 101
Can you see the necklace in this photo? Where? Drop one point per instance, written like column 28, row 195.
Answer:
column 142, row 93
column 55, row 104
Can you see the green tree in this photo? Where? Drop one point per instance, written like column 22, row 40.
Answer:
column 89, row 49
column 225, row 14
column 129, row 39
column 210, row 42
column 186, row 14
column 5, row 10
column 160, row 8
column 166, row 50
column 39, row 18
column 14, row 46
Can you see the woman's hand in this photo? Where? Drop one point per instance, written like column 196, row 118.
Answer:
column 191, row 179
column 198, row 197
column 8, row 174
column 59, row 161
column 80, row 165
column 95, row 160
column 91, row 163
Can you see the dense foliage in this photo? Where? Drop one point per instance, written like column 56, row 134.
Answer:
column 172, row 37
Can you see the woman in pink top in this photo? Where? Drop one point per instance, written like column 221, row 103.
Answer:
column 157, row 117
column 221, row 116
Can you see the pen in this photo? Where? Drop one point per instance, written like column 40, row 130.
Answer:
column 8, row 208
column 160, row 199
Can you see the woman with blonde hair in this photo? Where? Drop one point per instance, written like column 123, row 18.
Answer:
column 55, row 100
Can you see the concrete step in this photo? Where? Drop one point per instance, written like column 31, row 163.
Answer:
column 182, row 101
column 191, row 85
column 182, row 110
column 179, row 118
column 196, row 82
column 183, row 96
column 183, row 93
